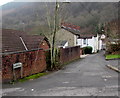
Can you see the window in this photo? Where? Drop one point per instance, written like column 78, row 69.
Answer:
column 84, row 41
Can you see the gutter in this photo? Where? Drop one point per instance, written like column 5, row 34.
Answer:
column 113, row 68
column 23, row 43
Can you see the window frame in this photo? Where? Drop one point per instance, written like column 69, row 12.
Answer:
column 84, row 41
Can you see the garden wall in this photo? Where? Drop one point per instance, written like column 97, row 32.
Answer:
column 33, row 61
column 69, row 54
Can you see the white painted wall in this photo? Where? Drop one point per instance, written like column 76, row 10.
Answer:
column 94, row 42
column 75, row 40
column 89, row 42
column 66, row 45
column 100, row 44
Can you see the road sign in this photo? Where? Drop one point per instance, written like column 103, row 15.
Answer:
column 17, row 65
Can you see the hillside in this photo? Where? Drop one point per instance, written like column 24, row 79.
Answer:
column 32, row 17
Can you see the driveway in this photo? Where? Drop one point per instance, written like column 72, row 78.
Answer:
column 84, row 77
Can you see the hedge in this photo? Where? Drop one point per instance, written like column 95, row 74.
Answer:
column 87, row 50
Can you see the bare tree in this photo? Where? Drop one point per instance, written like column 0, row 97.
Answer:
column 53, row 30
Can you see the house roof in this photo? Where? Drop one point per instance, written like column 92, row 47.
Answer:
column 33, row 41
column 71, row 28
column 87, row 33
column 11, row 41
column 61, row 42
column 76, row 30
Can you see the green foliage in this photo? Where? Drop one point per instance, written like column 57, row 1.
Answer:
column 87, row 50
column 35, row 76
column 97, row 29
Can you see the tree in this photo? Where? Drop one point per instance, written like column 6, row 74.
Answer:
column 55, row 27
column 54, row 35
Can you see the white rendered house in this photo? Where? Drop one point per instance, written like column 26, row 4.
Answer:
column 92, row 41
column 84, row 37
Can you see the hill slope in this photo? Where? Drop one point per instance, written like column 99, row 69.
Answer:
column 32, row 17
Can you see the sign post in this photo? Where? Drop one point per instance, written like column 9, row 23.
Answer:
column 15, row 66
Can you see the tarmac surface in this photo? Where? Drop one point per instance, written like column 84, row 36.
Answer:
column 85, row 77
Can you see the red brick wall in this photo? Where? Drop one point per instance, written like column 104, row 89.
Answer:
column 44, row 45
column 33, row 62
column 69, row 54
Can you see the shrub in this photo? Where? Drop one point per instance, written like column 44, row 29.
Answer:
column 113, row 48
column 87, row 50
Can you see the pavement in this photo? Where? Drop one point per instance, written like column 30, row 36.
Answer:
column 84, row 77
column 83, row 56
column 113, row 68
column 114, row 63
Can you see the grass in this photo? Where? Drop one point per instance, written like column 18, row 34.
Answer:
column 35, row 76
column 32, row 77
column 110, row 56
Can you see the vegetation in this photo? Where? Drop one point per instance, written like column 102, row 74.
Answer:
column 113, row 48
column 44, row 18
column 56, row 62
column 112, row 56
column 32, row 77
column 56, row 26
column 87, row 50
column 84, row 14
column 48, row 59
column 111, row 29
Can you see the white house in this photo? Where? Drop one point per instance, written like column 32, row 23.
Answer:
column 103, row 38
column 83, row 37
column 90, row 40
column 62, row 43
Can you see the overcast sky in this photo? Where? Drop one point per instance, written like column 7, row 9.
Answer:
column 6, row 1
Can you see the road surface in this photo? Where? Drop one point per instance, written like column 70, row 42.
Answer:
column 84, row 77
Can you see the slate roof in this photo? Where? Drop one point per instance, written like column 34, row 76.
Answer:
column 61, row 42
column 11, row 41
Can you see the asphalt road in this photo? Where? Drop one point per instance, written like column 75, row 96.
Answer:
column 84, row 77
